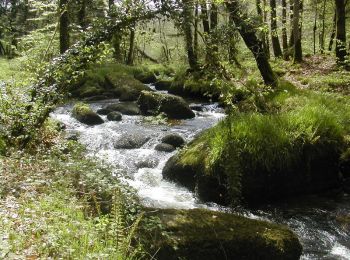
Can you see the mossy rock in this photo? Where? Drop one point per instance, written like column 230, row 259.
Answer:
column 109, row 81
column 173, row 106
column 208, row 235
column 259, row 159
column 145, row 76
column 84, row 114
column 125, row 88
column 163, row 84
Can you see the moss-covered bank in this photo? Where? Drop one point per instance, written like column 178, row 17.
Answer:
column 257, row 158
column 203, row 234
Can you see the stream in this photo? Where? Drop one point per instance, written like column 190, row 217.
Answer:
column 312, row 219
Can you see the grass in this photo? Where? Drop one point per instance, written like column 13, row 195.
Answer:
column 11, row 70
column 294, row 136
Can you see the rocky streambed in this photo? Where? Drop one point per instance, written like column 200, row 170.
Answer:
column 135, row 145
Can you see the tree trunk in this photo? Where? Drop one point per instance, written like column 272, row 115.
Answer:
column 64, row 26
column 187, row 28
column 298, row 55
column 261, row 16
column 82, row 14
column 315, row 27
column 196, row 16
column 274, row 34
column 284, row 26
column 334, row 29
column 205, row 18
column 248, row 33
column 130, row 59
column 213, row 26
column 340, row 48
column 322, row 32
column 291, row 19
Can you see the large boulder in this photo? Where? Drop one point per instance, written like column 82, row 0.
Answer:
column 126, row 108
column 108, row 81
column 231, row 165
column 207, row 235
column 173, row 106
column 131, row 141
column 174, row 139
column 84, row 114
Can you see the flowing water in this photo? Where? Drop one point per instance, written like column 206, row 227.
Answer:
column 314, row 219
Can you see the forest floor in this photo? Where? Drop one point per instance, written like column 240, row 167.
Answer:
column 319, row 72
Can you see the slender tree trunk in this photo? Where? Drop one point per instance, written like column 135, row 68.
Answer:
column 298, row 55
column 266, row 34
column 195, row 38
column 291, row 19
column 315, row 27
column 284, row 26
column 322, row 32
column 248, row 33
column 130, row 59
column 213, row 26
column 262, row 18
column 187, row 28
column 82, row 14
column 274, row 34
column 334, row 30
column 64, row 26
column 340, row 49
column 205, row 18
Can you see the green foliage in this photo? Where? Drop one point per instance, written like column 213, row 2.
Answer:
column 59, row 210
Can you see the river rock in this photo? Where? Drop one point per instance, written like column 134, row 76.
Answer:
column 200, row 234
column 147, row 163
column 173, row 106
column 163, row 84
column 131, row 141
column 145, row 76
column 103, row 111
column 84, row 114
column 168, row 148
column 114, row 116
column 126, row 108
column 175, row 140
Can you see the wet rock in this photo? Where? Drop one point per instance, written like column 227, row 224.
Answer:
column 104, row 111
column 173, row 106
column 84, row 114
column 126, row 108
column 96, row 98
column 131, row 141
column 146, row 77
column 207, row 235
column 175, row 140
column 168, row 148
column 114, row 116
column 163, row 84
column 198, row 108
column 147, row 163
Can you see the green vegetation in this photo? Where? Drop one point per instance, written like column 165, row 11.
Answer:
column 299, row 142
column 51, row 205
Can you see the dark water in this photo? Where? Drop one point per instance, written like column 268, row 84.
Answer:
column 315, row 219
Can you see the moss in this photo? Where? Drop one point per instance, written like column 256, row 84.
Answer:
column 111, row 81
column 203, row 234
